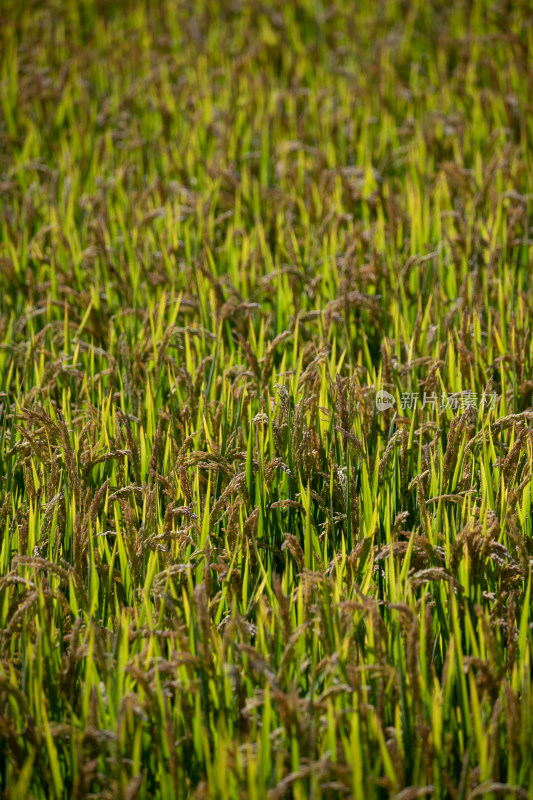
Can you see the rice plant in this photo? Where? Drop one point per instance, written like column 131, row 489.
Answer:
column 266, row 441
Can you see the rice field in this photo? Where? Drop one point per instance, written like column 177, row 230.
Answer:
column 266, row 441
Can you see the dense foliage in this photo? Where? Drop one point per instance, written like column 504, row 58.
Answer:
column 226, row 570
